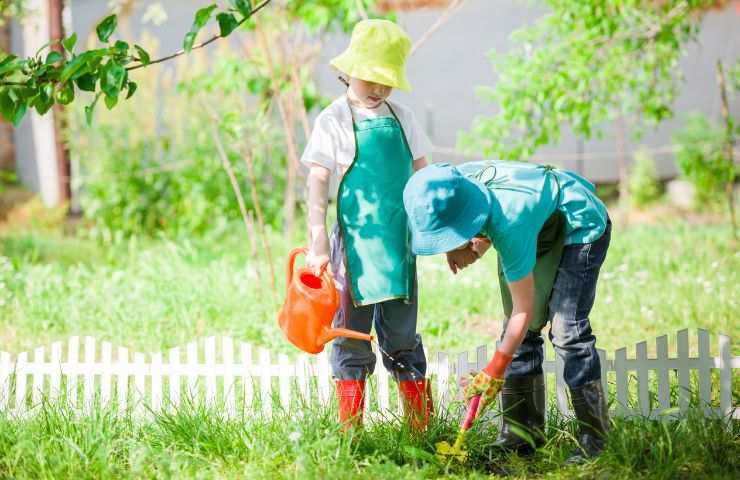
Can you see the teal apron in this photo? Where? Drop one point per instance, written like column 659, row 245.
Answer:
column 550, row 243
column 370, row 213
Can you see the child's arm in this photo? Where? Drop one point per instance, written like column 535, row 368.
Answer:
column 318, row 200
column 420, row 163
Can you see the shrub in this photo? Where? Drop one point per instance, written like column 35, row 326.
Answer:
column 151, row 165
column 701, row 158
column 644, row 185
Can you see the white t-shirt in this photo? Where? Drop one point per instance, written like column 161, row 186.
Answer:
column 332, row 142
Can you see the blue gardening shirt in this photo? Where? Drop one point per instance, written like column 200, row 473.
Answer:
column 524, row 195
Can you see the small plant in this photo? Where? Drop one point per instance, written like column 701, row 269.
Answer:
column 701, row 158
column 644, row 185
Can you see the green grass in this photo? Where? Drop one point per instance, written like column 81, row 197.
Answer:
column 196, row 443
column 150, row 295
column 155, row 294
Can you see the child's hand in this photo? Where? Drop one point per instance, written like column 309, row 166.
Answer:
column 317, row 262
column 480, row 245
column 459, row 259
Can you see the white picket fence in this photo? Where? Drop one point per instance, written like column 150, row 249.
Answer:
column 227, row 377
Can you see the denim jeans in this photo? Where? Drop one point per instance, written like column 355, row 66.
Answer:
column 395, row 328
column 570, row 304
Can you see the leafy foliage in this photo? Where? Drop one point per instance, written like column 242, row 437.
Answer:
column 582, row 64
column 702, row 158
column 38, row 82
column 163, row 175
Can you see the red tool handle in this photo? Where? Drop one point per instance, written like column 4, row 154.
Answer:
column 472, row 413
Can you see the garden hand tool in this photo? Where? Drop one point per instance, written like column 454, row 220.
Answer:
column 310, row 304
column 456, row 451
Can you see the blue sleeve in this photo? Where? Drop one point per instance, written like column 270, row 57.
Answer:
column 518, row 250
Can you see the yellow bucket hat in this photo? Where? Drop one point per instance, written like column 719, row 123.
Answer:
column 377, row 53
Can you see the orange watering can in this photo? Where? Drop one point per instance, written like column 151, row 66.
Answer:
column 309, row 308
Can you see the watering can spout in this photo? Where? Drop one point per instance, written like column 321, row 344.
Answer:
column 329, row 334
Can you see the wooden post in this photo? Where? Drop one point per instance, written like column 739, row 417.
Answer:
column 729, row 146
column 56, row 35
column 7, row 145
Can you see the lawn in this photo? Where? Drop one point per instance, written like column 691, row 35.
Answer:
column 155, row 294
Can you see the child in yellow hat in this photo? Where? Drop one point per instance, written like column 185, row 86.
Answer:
column 373, row 146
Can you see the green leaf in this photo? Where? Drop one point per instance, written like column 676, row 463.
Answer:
column 112, row 78
column 227, row 23
column 106, row 28
column 69, row 42
column 74, row 68
column 201, row 18
column 66, row 94
column 20, row 112
column 54, row 57
column 110, row 102
column 45, row 98
column 143, row 55
column 87, row 82
column 9, row 63
column 7, row 104
column 187, row 44
column 89, row 109
column 120, row 47
column 242, row 6
column 131, row 89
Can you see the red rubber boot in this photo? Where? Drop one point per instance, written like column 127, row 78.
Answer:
column 418, row 403
column 350, row 397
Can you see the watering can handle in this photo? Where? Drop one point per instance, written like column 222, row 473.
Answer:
column 291, row 261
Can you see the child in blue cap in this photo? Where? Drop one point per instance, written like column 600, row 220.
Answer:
column 534, row 216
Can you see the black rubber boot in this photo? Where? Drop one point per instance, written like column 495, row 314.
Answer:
column 589, row 405
column 523, row 405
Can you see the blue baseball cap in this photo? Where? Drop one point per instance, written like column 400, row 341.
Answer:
column 445, row 208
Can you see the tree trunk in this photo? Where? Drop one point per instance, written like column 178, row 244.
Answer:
column 7, row 146
column 56, row 35
column 729, row 147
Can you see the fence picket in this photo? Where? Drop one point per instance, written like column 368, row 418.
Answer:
column 73, row 350
column 247, row 379
column 88, row 392
column 383, row 390
column 684, row 381
column 21, row 375
column 664, row 387
column 620, row 367
column 23, row 382
column 210, row 357
column 55, row 381
column 106, row 355
column 5, row 369
column 173, row 379
column 725, row 376
column 704, row 371
column 38, row 377
column 284, row 381
column 643, row 384
column 228, row 361
column 139, row 383
column 443, row 380
column 192, row 362
column 156, row 400
column 122, row 380
column 265, row 382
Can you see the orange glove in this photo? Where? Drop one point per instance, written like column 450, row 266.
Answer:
column 489, row 381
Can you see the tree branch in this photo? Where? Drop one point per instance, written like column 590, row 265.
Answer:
column 200, row 45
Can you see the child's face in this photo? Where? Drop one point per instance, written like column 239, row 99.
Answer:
column 369, row 94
